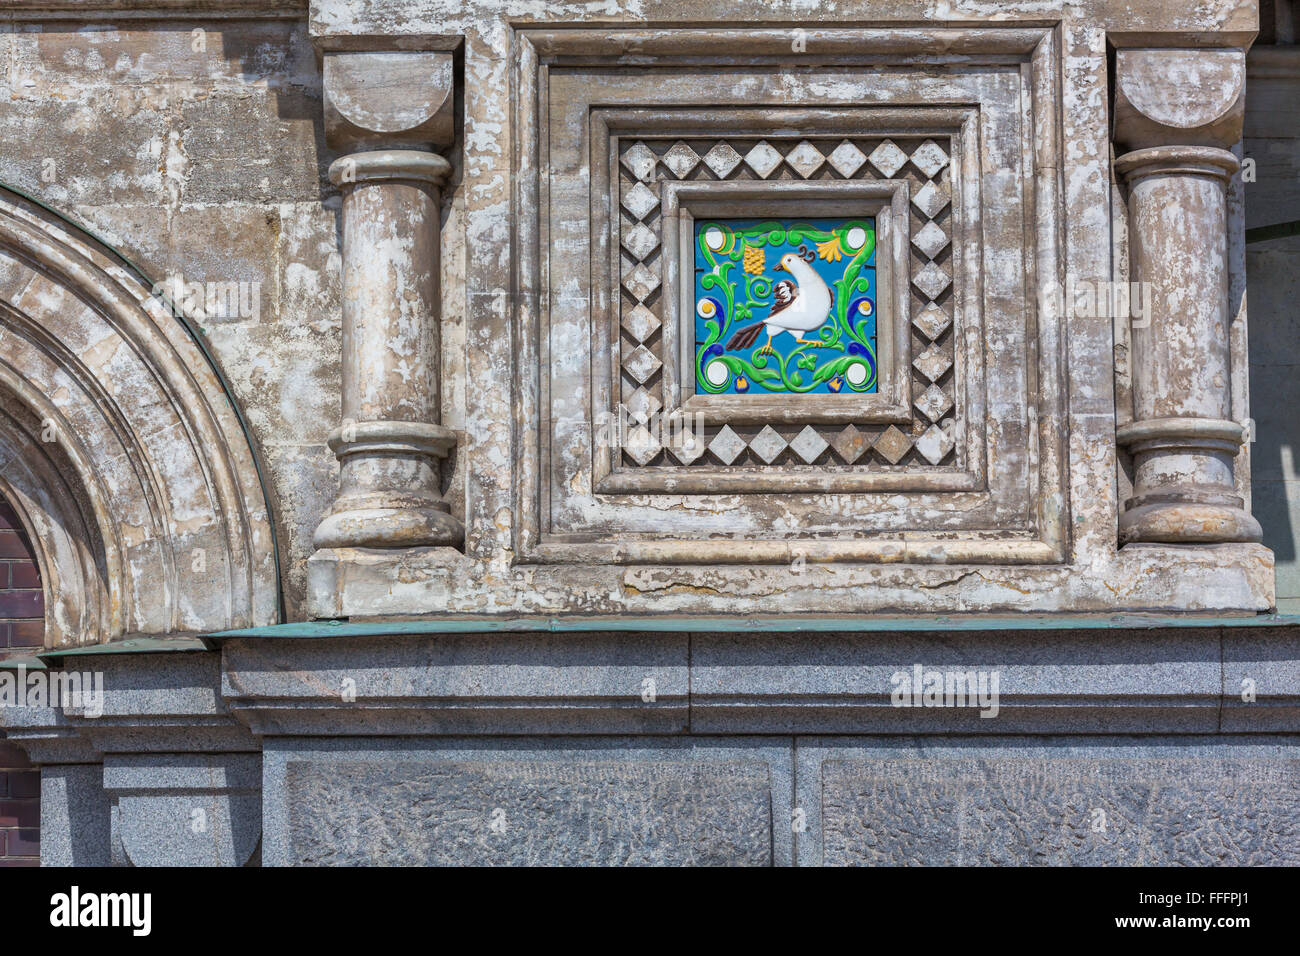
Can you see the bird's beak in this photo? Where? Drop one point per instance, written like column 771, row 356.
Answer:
column 778, row 268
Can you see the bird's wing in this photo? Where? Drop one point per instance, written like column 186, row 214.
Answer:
column 783, row 295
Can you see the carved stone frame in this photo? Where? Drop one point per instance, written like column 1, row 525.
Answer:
column 884, row 201
column 1021, row 524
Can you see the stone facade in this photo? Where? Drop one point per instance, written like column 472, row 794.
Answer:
column 371, row 398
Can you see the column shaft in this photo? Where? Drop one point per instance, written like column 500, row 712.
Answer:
column 1182, row 437
column 391, row 440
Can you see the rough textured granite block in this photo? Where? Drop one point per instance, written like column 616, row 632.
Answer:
column 1027, row 811
column 528, row 813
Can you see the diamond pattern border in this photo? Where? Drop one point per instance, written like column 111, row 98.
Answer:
column 925, row 162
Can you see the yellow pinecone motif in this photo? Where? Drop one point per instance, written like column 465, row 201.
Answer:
column 753, row 262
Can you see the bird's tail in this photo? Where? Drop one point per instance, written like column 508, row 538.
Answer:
column 745, row 337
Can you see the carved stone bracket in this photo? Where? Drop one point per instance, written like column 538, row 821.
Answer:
column 391, row 108
column 1178, row 112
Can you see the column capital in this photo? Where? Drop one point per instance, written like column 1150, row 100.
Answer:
column 388, row 98
column 389, row 165
column 1179, row 97
column 1176, row 160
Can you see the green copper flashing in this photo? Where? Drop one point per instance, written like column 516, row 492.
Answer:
column 167, row 644
column 781, row 624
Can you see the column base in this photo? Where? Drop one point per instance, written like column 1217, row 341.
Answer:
column 389, row 528
column 388, row 478
column 1183, row 522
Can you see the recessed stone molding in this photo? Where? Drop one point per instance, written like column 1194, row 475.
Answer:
column 118, row 448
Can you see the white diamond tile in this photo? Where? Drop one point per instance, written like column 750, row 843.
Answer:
column 934, row 444
column 640, row 280
column 681, row 159
column 640, row 162
column 763, row 159
column 767, row 444
column 640, row 200
column 727, row 445
column 640, row 240
column 641, row 445
column 930, row 199
column 847, row 159
column 930, row 239
column 805, row 159
column 932, row 321
column 643, row 405
column 932, row 363
column 929, row 158
column 722, row 159
column 932, row 280
column 888, row 158
column 641, row 364
column 684, row 444
column 934, row 403
column 809, row 444
column 640, row 322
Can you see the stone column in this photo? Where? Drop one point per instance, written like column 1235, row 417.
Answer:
column 389, row 110
column 1176, row 113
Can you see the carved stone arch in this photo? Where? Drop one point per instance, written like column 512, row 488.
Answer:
column 120, row 449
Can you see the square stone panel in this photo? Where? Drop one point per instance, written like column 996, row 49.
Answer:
column 640, row 322
column 929, row 158
column 641, row 364
column 640, row 240
column 892, row 445
column 640, row 161
column 681, row 159
column 934, row 403
column 727, row 445
column 932, row 321
column 934, row 444
column 809, row 444
column 932, row 363
column 640, row 200
column 930, row 199
column 640, row 280
column 805, row 159
column 930, row 239
column 847, row 159
column 722, row 159
column 850, row 444
column 768, row 444
column 888, row 158
column 763, row 159
column 932, row 280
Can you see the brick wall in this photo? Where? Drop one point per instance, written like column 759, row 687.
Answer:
column 22, row 609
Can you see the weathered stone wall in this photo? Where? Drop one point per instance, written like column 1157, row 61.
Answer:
column 194, row 147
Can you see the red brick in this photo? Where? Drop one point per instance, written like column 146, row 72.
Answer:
column 8, row 519
column 12, row 758
column 20, row 813
column 26, row 633
column 24, row 784
column 25, row 843
column 12, row 545
column 24, row 574
column 21, row 604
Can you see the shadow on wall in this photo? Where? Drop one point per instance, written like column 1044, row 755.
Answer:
column 1272, row 143
column 1273, row 279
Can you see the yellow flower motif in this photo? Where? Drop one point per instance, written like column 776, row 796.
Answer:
column 754, row 263
column 830, row 250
